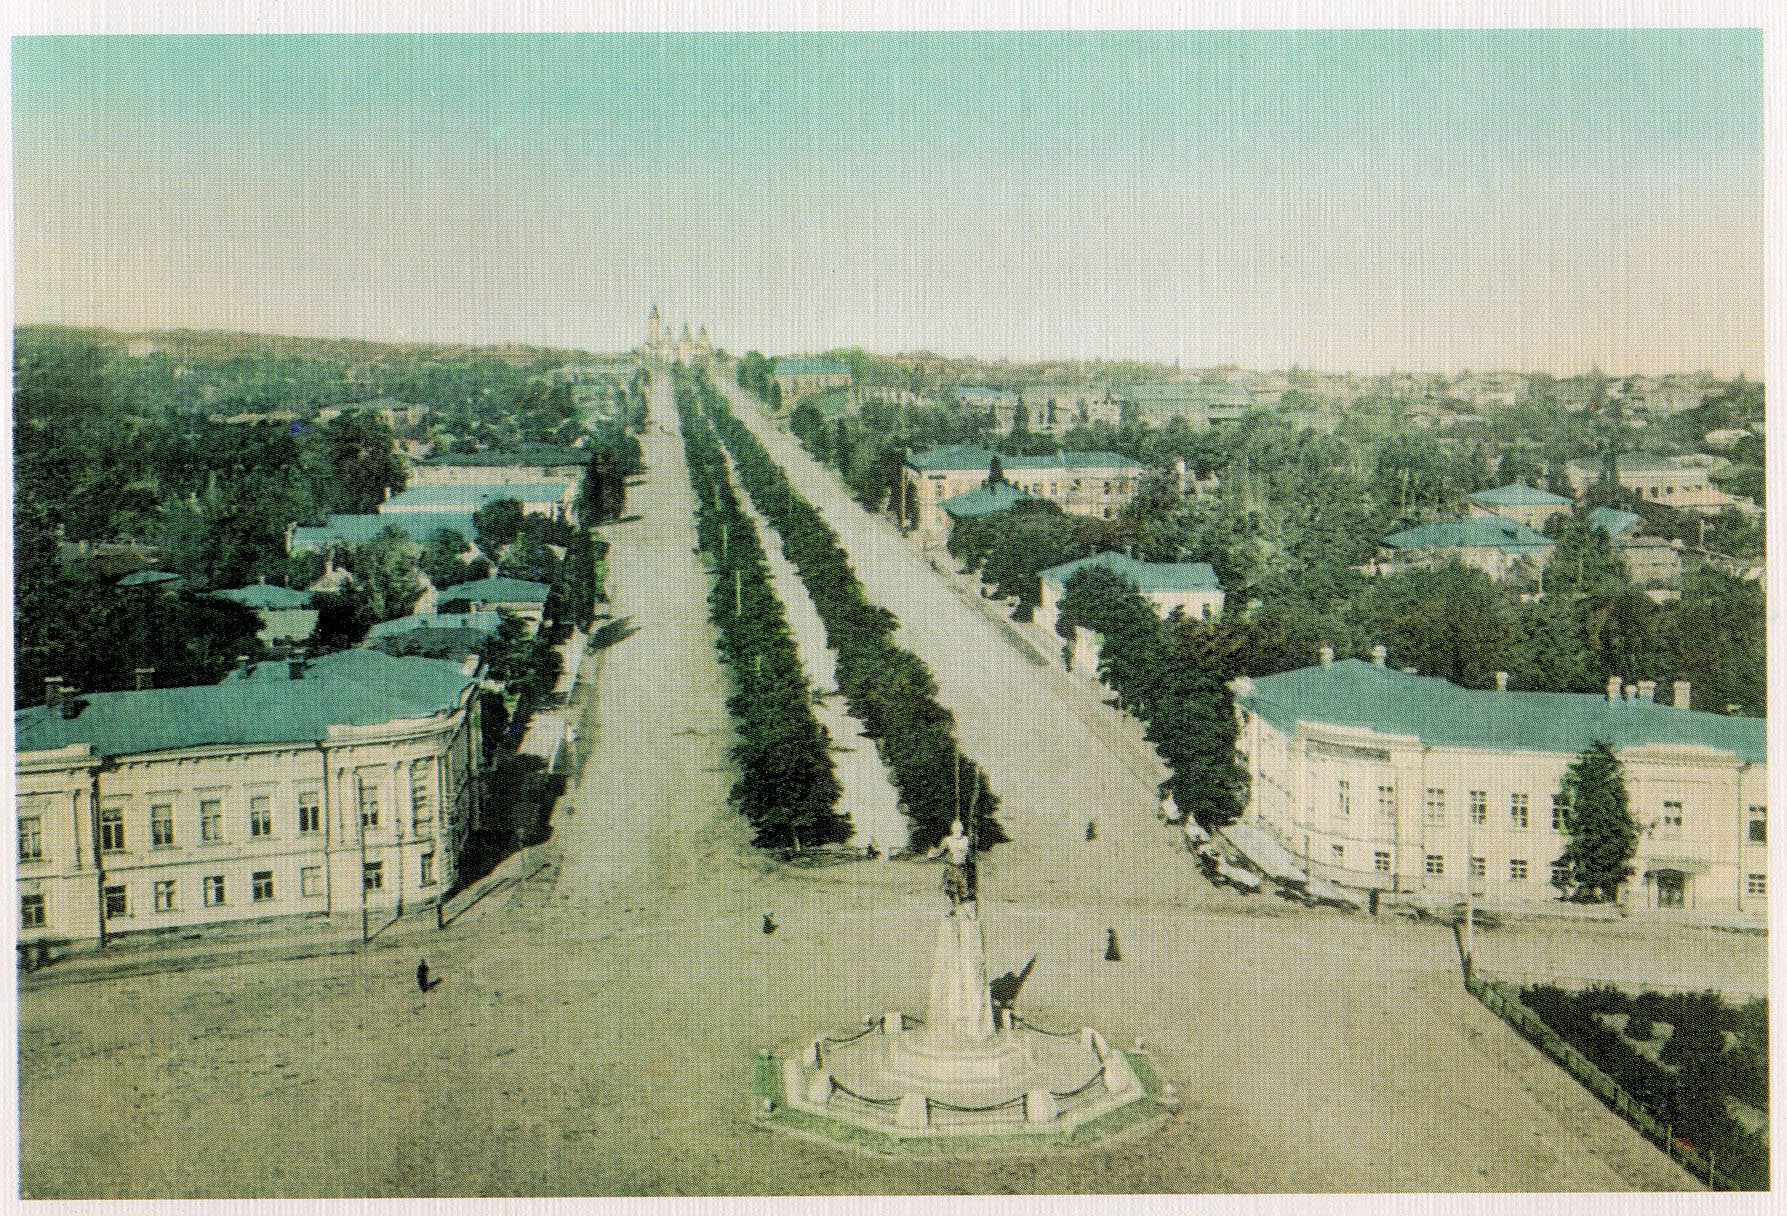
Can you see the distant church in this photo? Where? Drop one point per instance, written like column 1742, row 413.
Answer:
column 681, row 349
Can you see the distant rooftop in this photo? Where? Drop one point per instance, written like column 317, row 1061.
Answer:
column 418, row 526
column 1188, row 393
column 470, row 495
column 265, row 595
column 962, row 456
column 1478, row 532
column 264, row 705
column 1145, row 576
column 1353, row 692
column 1519, row 494
column 497, row 590
column 810, row 367
column 525, row 456
column 150, row 578
column 1615, row 523
column 479, row 622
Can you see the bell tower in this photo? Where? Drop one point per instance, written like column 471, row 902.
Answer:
column 651, row 328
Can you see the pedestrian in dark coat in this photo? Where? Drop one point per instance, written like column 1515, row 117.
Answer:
column 422, row 975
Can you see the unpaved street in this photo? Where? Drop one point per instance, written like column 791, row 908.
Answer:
column 599, row 1041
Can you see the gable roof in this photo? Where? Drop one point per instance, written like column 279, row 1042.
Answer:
column 1519, row 494
column 150, row 578
column 1145, row 576
column 265, row 595
column 419, row 526
column 959, row 457
column 810, row 367
column 496, row 590
column 264, row 705
column 985, row 500
column 1353, row 692
column 1477, row 532
column 470, row 495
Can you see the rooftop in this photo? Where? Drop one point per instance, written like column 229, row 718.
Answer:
column 1615, row 523
column 810, row 367
column 985, row 500
column 265, row 705
column 477, row 495
column 1518, row 494
column 1478, row 532
column 525, row 456
column 150, row 578
column 1145, row 576
column 419, row 526
column 265, row 595
column 1189, row 393
column 479, row 622
column 498, row 590
column 962, row 456
column 1353, row 692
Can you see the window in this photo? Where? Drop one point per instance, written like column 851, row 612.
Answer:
column 1516, row 869
column 263, row 886
column 1337, row 852
column 1436, row 864
column 31, row 910
column 1560, row 874
column 111, row 829
column 260, row 815
column 1479, row 806
column 1519, row 810
column 1756, row 884
column 1380, row 861
column 214, row 890
column 211, row 820
column 372, row 876
column 164, row 895
column 1434, row 809
column 421, row 790
column 1386, row 801
column 30, row 837
column 1558, row 806
column 117, row 902
column 427, row 879
column 310, row 880
column 1343, row 797
column 1672, row 816
column 161, row 825
column 1758, row 825
column 368, row 802
column 1479, row 867
column 310, row 812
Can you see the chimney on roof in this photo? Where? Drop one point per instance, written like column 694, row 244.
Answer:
column 1631, row 692
column 1379, row 653
column 145, row 676
column 72, row 705
column 1409, row 671
column 52, row 691
column 1732, row 708
column 1613, row 683
column 1327, row 653
column 1501, row 681
column 295, row 668
column 1683, row 690
column 1647, row 690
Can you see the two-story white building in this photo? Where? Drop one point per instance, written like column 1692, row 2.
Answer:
column 1095, row 484
column 1377, row 778
column 1188, row 587
column 290, row 789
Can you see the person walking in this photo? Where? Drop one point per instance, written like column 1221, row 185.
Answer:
column 769, row 924
column 1111, row 953
column 422, row 975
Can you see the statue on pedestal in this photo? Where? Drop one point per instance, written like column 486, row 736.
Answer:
column 959, row 882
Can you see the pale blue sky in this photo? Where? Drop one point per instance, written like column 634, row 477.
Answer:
column 1363, row 200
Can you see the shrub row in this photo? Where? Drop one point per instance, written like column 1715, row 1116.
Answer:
column 786, row 785
column 888, row 688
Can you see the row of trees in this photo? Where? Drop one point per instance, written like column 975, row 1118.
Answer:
column 889, row 689
column 1186, row 704
column 787, row 786
column 756, row 375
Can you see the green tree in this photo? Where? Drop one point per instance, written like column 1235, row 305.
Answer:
column 1602, row 839
column 441, row 557
column 363, row 461
column 497, row 523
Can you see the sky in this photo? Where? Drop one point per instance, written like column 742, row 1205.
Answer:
column 1347, row 200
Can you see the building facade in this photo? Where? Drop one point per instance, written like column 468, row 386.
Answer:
column 1095, row 484
column 555, row 500
column 1377, row 778
column 798, row 379
column 521, row 466
column 1674, row 481
column 1188, row 587
column 1523, row 504
column 286, row 790
column 1500, row 548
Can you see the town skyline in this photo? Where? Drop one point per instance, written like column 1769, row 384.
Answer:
column 1349, row 201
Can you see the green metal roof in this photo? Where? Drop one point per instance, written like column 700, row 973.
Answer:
column 498, row 590
column 261, row 706
column 150, row 578
column 479, row 622
column 986, row 500
column 470, row 497
column 1519, row 494
column 534, row 455
column 265, row 595
column 962, row 456
column 1355, row 693
column 1615, row 523
column 810, row 367
column 419, row 526
column 1144, row 576
column 1478, row 532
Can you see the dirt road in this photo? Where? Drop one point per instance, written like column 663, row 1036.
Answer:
column 600, row 1042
